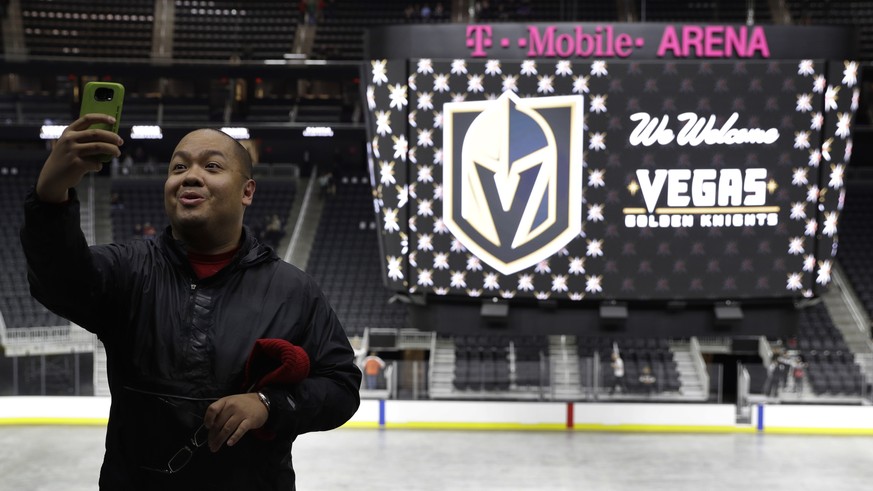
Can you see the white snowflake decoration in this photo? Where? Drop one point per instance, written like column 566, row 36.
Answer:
column 824, row 272
column 386, row 173
column 795, row 281
column 580, row 84
column 795, row 246
column 390, row 218
column 598, row 104
column 559, row 283
column 425, row 101
column 595, row 248
column 397, row 94
column 597, row 141
column 545, row 84
column 799, row 177
column 383, row 123
column 474, row 83
column 425, row 137
column 379, row 71
column 458, row 279
column 395, row 268
column 441, row 82
column 528, row 67
column 577, row 265
column 850, row 74
column 819, row 84
column 425, row 207
column 598, row 68
column 489, row 282
column 459, row 66
column 844, row 124
column 830, row 223
column 801, row 139
column 798, row 211
column 595, row 178
column 525, row 282
column 836, row 177
column 804, row 103
column 592, row 283
column 401, row 147
column 441, row 260
column 805, row 68
column 425, row 277
column 510, row 82
column 425, row 66
column 595, row 212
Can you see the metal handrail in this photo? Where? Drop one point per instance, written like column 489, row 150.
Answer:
column 301, row 216
column 860, row 318
column 699, row 364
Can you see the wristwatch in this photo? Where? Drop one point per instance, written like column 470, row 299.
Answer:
column 264, row 399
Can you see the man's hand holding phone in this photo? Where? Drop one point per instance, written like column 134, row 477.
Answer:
column 78, row 151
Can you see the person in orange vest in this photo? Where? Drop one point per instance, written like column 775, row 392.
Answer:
column 373, row 366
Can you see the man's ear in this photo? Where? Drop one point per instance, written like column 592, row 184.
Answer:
column 248, row 192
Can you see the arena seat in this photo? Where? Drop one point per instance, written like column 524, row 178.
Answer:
column 19, row 309
column 233, row 29
column 856, row 235
column 345, row 260
column 88, row 28
column 831, row 367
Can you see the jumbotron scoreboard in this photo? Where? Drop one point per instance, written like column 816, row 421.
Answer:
column 631, row 162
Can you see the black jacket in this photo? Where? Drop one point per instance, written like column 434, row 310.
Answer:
column 175, row 343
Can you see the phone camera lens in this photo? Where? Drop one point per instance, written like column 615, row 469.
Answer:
column 104, row 94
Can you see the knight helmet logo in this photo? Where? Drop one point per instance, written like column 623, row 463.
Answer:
column 512, row 177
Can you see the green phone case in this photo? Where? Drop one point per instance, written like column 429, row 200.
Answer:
column 90, row 103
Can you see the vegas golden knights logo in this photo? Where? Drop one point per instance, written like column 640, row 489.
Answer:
column 512, row 177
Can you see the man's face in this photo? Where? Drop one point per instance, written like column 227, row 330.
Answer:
column 206, row 188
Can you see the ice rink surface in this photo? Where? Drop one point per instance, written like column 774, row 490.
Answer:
column 67, row 458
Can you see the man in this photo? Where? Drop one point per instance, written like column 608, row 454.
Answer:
column 617, row 373
column 179, row 316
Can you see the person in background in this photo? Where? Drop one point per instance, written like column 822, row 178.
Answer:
column 648, row 380
column 617, row 373
column 373, row 366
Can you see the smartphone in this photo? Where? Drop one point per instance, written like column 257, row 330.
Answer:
column 105, row 98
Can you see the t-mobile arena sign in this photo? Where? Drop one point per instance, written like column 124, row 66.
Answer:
column 613, row 40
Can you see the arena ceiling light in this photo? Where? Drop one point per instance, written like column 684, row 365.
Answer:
column 146, row 132
column 237, row 132
column 315, row 131
column 51, row 131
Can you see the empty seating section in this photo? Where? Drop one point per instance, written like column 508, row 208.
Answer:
column 730, row 11
column 345, row 260
column 856, row 237
column 858, row 14
column 501, row 363
column 88, row 28
column 140, row 207
column 226, row 29
column 831, row 367
column 481, row 363
column 18, row 307
column 636, row 353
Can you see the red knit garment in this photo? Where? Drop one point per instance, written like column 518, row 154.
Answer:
column 276, row 362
